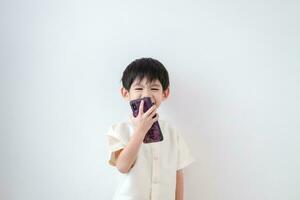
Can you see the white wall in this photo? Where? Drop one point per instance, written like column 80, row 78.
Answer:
column 234, row 70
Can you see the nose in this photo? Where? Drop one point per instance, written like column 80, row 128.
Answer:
column 148, row 93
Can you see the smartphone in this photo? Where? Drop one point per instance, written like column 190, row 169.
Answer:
column 154, row 134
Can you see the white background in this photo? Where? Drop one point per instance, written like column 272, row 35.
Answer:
column 234, row 72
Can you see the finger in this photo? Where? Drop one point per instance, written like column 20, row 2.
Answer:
column 155, row 118
column 151, row 110
column 153, row 114
column 141, row 108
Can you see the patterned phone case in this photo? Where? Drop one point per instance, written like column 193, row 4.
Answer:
column 154, row 134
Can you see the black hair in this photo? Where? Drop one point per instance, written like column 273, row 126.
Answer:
column 150, row 68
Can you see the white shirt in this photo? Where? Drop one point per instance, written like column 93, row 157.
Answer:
column 153, row 176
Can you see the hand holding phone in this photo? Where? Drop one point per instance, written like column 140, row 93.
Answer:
column 154, row 134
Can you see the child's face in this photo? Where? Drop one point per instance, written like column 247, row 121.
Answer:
column 144, row 88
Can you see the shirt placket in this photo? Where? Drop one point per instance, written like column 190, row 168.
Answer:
column 155, row 173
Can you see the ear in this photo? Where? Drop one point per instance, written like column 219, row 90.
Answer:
column 166, row 93
column 124, row 93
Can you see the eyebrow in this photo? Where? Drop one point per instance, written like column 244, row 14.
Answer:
column 155, row 84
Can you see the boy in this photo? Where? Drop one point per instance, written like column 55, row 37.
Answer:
column 148, row 171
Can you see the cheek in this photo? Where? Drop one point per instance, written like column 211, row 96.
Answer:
column 158, row 98
column 135, row 95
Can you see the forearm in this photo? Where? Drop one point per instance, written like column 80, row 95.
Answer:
column 179, row 185
column 129, row 154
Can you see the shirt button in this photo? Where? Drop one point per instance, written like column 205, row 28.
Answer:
column 155, row 181
column 155, row 157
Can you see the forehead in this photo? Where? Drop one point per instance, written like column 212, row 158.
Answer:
column 145, row 81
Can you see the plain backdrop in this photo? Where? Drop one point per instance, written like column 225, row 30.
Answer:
column 234, row 72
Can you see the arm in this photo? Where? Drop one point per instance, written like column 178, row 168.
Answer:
column 126, row 157
column 179, row 185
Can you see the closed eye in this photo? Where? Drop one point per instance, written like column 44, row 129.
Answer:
column 154, row 89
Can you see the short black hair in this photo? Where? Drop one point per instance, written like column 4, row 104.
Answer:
column 150, row 68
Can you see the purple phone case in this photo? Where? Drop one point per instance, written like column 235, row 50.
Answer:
column 154, row 134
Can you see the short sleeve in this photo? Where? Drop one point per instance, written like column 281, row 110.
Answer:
column 115, row 142
column 185, row 158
